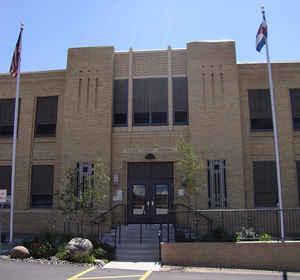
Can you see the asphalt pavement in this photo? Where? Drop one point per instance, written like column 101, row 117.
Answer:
column 15, row 270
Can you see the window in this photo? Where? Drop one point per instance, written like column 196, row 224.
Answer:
column 46, row 116
column 180, row 100
column 298, row 177
column 265, row 183
column 42, row 186
column 120, row 102
column 260, row 110
column 150, row 101
column 216, row 175
column 7, row 111
column 5, row 182
column 295, row 104
column 84, row 173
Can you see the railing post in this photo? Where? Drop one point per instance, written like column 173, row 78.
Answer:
column 159, row 245
column 115, row 241
column 141, row 229
column 120, row 233
column 168, row 230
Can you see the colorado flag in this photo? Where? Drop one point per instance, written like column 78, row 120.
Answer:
column 261, row 35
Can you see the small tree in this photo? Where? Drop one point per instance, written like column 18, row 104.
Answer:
column 189, row 168
column 79, row 204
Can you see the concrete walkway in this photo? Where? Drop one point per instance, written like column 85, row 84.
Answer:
column 153, row 266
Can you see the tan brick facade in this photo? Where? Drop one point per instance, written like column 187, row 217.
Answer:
column 218, row 128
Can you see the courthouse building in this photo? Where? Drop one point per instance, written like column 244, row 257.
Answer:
column 130, row 109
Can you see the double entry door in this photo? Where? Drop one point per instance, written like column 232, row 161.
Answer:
column 150, row 192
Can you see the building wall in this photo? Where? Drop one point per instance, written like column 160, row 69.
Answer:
column 218, row 126
column 260, row 145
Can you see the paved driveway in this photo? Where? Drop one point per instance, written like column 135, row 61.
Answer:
column 31, row 271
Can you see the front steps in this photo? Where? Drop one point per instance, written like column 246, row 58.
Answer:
column 133, row 246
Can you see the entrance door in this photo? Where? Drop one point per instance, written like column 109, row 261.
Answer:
column 150, row 192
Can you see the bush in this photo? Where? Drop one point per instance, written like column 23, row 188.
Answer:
column 265, row 237
column 218, row 235
column 250, row 235
column 100, row 253
column 45, row 245
column 84, row 259
column 110, row 251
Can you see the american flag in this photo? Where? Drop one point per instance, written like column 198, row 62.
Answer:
column 16, row 60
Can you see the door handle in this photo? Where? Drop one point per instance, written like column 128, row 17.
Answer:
column 152, row 203
column 148, row 203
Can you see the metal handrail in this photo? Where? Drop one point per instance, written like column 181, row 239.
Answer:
column 99, row 220
column 101, row 216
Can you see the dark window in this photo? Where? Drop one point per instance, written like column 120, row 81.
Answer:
column 260, row 110
column 298, row 177
column 46, row 116
column 5, row 182
column 180, row 100
column 265, row 183
column 42, row 186
column 150, row 101
column 295, row 103
column 7, row 111
column 120, row 102
column 216, row 175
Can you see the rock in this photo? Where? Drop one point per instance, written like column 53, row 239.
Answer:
column 79, row 247
column 19, row 252
column 99, row 262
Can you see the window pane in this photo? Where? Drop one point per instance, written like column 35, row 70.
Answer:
column 162, row 199
column 265, row 183
column 138, row 199
column 46, row 116
column 180, row 100
column 7, row 109
column 150, row 101
column 42, row 185
column 295, row 104
column 260, row 109
column 120, row 102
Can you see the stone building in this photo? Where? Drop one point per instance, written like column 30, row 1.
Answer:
column 130, row 109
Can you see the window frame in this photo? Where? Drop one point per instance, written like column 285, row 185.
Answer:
column 260, row 92
column 8, row 185
column 187, row 102
column 41, row 122
column 256, row 187
column 13, row 117
column 148, row 102
column 34, row 193
column 294, row 92
column 115, row 104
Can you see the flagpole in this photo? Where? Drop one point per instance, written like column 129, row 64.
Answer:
column 275, row 136
column 14, row 149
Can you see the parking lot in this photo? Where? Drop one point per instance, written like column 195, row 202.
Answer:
column 29, row 271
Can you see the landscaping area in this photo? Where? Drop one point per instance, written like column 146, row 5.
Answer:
column 61, row 247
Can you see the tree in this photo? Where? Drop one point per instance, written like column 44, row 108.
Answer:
column 189, row 168
column 79, row 203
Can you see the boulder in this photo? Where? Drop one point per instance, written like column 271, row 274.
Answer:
column 79, row 247
column 19, row 252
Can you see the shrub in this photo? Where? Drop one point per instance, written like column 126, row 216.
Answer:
column 218, row 235
column 246, row 234
column 41, row 250
column 265, row 237
column 84, row 259
column 110, row 251
column 100, row 253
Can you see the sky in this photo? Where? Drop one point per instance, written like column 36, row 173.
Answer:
column 51, row 27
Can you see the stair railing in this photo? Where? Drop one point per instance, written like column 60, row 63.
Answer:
column 100, row 220
column 192, row 219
